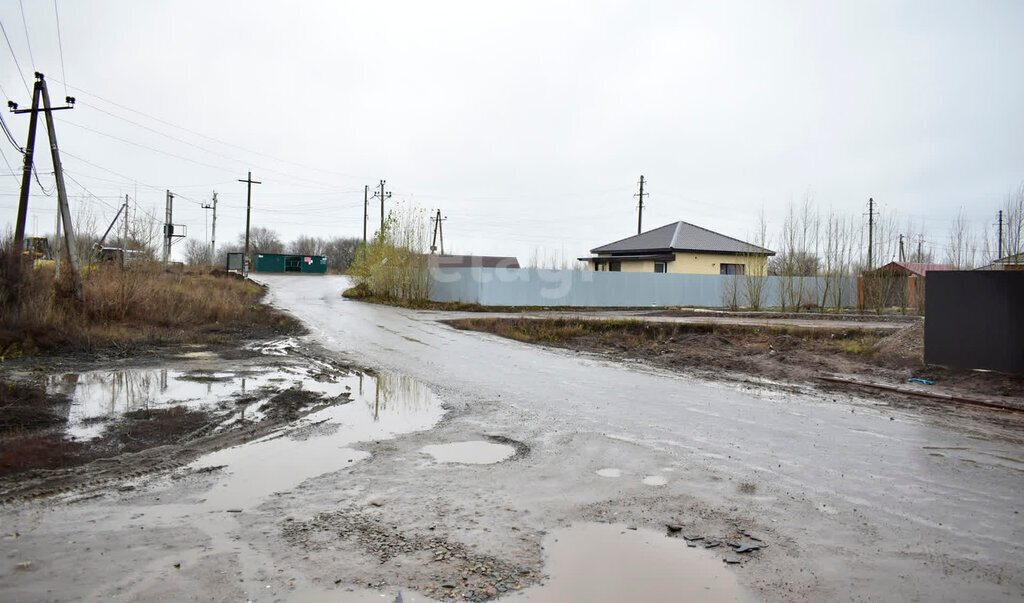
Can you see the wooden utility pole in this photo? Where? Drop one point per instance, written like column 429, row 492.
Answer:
column 168, row 226
column 248, row 210
column 901, row 248
column 640, row 214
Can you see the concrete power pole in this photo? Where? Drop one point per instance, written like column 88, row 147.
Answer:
column 1000, row 256
column 213, row 230
column 366, row 205
column 383, row 197
column 168, row 226
column 124, row 241
column 40, row 92
column 901, row 248
column 248, row 211
column 438, row 228
column 871, row 231
column 640, row 215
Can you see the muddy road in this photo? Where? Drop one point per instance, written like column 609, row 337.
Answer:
column 496, row 464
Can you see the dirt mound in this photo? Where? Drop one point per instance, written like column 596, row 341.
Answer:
column 907, row 343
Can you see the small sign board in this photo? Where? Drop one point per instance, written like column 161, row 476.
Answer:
column 235, row 262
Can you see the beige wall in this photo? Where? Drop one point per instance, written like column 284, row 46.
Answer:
column 697, row 263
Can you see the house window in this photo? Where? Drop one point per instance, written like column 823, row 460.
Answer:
column 731, row 269
column 659, row 266
column 615, row 266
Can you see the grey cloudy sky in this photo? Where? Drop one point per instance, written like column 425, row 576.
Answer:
column 527, row 123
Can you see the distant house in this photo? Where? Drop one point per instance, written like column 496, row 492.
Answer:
column 911, row 268
column 473, row 261
column 680, row 248
column 1010, row 262
column 897, row 284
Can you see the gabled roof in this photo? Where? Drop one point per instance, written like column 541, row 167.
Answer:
column 681, row 236
column 914, row 268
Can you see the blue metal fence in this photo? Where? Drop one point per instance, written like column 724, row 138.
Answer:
column 576, row 288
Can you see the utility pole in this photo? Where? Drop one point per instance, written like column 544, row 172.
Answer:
column 213, row 229
column 382, row 196
column 124, row 241
column 248, row 210
column 39, row 92
column 640, row 214
column 366, row 205
column 871, row 231
column 168, row 226
column 438, row 228
column 1000, row 256
column 901, row 248
column 920, row 248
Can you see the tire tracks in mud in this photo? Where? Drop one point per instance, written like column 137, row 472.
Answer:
column 101, row 474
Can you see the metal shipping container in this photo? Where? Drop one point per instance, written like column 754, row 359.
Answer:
column 279, row 262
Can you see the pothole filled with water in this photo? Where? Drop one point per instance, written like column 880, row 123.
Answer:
column 470, row 453
column 598, row 562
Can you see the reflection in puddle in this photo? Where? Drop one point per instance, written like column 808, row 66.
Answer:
column 106, row 394
column 382, row 407
column 593, row 562
column 470, row 453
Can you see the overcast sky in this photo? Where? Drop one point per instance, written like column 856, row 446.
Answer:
column 527, row 123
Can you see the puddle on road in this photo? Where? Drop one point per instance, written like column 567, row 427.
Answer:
column 470, row 453
column 597, row 562
column 609, row 472
column 654, row 480
column 99, row 396
column 382, row 407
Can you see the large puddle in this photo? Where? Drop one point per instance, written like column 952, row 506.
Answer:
column 97, row 397
column 598, row 562
column 382, row 408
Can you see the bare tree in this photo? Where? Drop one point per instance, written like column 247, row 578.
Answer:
column 757, row 267
column 340, row 252
column 962, row 247
column 1013, row 226
column 261, row 240
column 197, row 253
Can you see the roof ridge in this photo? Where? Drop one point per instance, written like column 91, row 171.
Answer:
column 721, row 235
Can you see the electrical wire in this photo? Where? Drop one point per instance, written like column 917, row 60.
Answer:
column 13, row 56
column 24, row 23
column 10, row 137
column 60, row 46
column 207, row 137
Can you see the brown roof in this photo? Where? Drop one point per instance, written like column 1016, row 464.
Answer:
column 916, row 268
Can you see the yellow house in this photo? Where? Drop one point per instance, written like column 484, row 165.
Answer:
column 680, row 248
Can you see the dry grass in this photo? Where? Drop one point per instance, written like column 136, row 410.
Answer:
column 638, row 332
column 141, row 303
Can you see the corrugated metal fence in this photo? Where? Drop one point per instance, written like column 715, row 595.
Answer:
column 536, row 287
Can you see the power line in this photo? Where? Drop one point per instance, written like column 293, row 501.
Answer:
column 60, row 46
column 28, row 41
column 206, row 136
column 13, row 56
column 10, row 137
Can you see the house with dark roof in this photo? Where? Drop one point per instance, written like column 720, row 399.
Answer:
column 680, row 248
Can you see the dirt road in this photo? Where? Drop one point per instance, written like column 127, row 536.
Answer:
column 847, row 498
